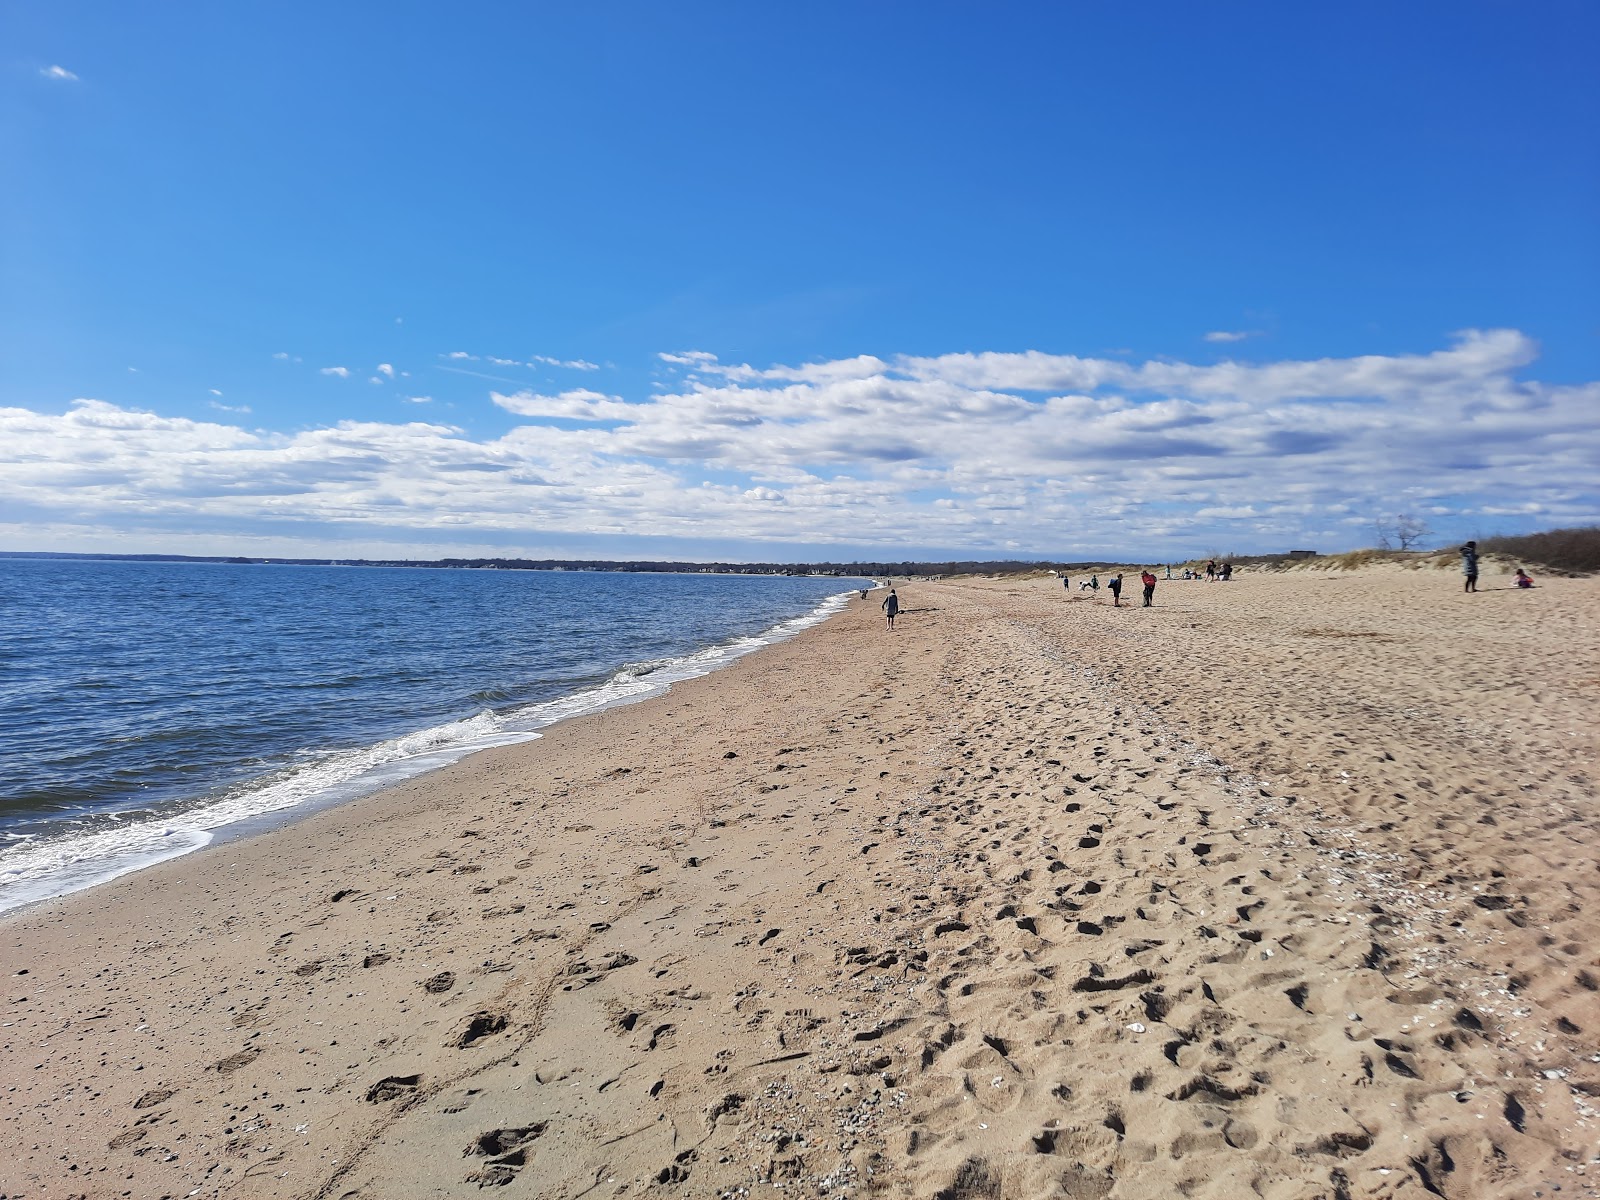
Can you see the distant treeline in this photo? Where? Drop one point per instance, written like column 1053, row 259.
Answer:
column 1576, row 549
column 844, row 570
column 903, row 569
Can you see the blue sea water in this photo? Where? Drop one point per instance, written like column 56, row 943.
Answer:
column 145, row 705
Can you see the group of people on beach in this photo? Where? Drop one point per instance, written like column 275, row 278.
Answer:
column 1214, row 572
column 1147, row 578
column 1469, row 569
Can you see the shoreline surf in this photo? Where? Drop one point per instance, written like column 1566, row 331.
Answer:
column 39, row 868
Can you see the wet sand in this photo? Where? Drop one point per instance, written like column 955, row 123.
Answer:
column 1285, row 887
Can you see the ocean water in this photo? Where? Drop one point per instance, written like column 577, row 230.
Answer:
column 146, row 706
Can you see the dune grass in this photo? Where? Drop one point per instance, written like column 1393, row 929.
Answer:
column 1576, row 550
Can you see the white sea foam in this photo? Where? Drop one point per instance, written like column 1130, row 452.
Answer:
column 33, row 869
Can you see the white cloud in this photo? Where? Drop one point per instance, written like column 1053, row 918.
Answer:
column 1054, row 453
column 59, row 73
column 214, row 392
column 386, row 369
column 688, row 358
column 505, row 362
column 570, row 364
column 462, row 354
column 577, row 405
column 419, row 399
column 341, row 372
column 1230, row 335
column 233, row 408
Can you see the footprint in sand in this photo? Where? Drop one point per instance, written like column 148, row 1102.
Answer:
column 392, row 1087
column 236, row 1061
column 507, row 1150
column 478, row 1026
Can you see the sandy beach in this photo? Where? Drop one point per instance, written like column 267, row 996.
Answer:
column 1285, row 887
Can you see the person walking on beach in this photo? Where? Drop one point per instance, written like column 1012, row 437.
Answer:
column 1115, row 584
column 1093, row 583
column 1065, row 582
column 1149, row 581
column 1469, row 566
column 891, row 605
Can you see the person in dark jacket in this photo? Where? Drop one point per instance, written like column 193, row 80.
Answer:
column 891, row 605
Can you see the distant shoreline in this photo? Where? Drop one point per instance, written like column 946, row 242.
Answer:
column 863, row 570
column 661, row 566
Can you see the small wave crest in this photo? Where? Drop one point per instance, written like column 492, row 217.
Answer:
column 46, row 866
column 53, row 865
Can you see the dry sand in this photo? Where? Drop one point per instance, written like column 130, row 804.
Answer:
column 1283, row 888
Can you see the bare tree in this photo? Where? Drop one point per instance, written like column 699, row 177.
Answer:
column 1401, row 529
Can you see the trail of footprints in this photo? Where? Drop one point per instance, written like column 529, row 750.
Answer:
column 1104, row 994
column 1086, row 972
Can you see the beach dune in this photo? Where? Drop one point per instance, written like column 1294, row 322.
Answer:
column 1285, row 887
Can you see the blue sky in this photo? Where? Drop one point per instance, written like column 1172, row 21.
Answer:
column 747, row 281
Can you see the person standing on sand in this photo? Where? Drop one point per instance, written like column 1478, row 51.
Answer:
column 891, row 605
column 1115, row 584
column 1149, row 581
column 1469, row 566
column 1065, row 582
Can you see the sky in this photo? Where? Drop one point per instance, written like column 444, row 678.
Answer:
column 795, row 282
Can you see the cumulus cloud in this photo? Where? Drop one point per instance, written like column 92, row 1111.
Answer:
column 341, row 372
column 1053, row 454
column 577, row 405
column 58, row 73
column 1229, row 335
column 386, row 370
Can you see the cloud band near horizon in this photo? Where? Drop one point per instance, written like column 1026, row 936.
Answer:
column 989, row 453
